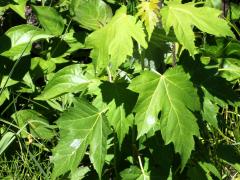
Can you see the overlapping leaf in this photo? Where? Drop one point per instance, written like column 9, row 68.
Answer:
column 68, row 80
column 91, row 14
column 210, row 110
column 134, row 173
column 218, row 89
column 19, row 7
column 18, row 39
column 38, row 125
column 174, row 95
column 120, row 101
column 113, row 43
column 81, row 126
column 148, row 11
column 6, row 140
column 182, row 17
column 49, row 19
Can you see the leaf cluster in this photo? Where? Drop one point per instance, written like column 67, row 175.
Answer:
column 121, row 89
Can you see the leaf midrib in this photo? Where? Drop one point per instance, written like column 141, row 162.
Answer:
column 172, row 106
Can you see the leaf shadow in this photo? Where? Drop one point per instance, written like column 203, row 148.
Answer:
column 118, row 92
column 5, row 43
column 208, row 78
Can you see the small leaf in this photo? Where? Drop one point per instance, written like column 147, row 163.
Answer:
column 134, row 173
column 19, row 7
column 210, row 168
column 230, row 69
column 6, row 81
column 91, row 14
column 68, row 43
column 119, row 121
column 182, row 16
column 210, row 111
column 81, row 126
column 49, row 19
column 131, row 173
column 6, row 141
column 38, row 125
column 17, row 40
column 113, row 43
column 148, row 11
column 174, row 95
column 234, row 11
column 68, row 80
column 120, row 102
column 79, row 173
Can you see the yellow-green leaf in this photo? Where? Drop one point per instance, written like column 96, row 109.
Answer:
column 113, row 43
column 81, row 126
column 182, row 17
column 174, row 96
column 148, row 11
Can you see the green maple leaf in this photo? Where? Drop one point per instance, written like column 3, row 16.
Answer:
column 119, row 121
column 113, row 43
column 120, row 101
column 81, row 126
column 182, row 17
column 174, row 95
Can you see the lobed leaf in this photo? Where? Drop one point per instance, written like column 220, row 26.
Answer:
column 148, row 11
column 113, row 43
column 182, row 17
column 174, row 95
column 81, row 126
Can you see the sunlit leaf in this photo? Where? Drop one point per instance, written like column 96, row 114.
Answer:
column 18, row 40
column 5, row 141
column 81, row 126
column 210, row 111
column 134, row 173
column 68, row 80
column 49, row 19
column 113, row 43
column 38, row 124
column 19, row 7
column 148, row 11
column 91, row 14
column 182, row 17
column 174, row 96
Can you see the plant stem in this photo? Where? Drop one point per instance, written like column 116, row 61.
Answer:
column 115, row 155
column 109, row 75
column 140, row 163
column 141, row 56
column 174, row 54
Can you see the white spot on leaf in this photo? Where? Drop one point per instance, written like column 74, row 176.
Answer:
column 151, row 120
column 78, row 80
column 75, row 144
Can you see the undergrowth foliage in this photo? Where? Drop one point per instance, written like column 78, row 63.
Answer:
column 93, row 89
